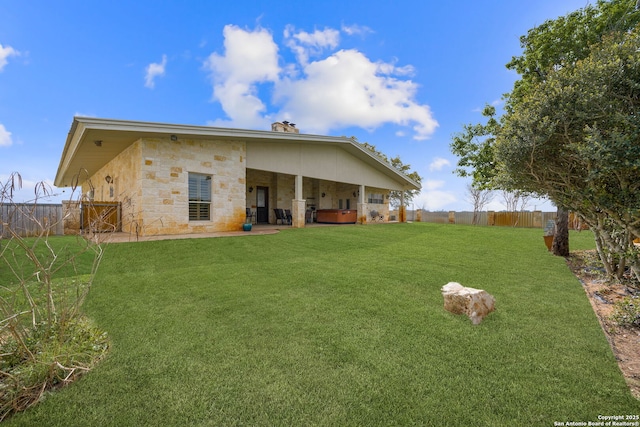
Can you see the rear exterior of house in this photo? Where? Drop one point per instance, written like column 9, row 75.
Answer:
column 180, row 179
column 174, row 187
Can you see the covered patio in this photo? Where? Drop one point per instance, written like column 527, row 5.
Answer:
column 335, row 181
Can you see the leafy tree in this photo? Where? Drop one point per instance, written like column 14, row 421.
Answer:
column 474, row 147
column 576, row 138
column 560, row 43
column 552, row 125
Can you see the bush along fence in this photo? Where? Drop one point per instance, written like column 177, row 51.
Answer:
column 524, row 219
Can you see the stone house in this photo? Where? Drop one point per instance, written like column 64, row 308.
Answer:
column 176, row 179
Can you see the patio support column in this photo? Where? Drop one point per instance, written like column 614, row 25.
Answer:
column 402, row 212
column 362, row 206
column 298, row 205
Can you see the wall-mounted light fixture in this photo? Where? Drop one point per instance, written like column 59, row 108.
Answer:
column 354, row 194
column 250, row 189
column 323, row 194
column 98, row 142
column 108, row 179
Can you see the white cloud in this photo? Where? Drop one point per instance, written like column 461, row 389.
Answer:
column 432, row 197
column 305, row 44
column 340, row 90
column 348, row 89
column 81, row 114
column 432, row 184
column 155, row 70
column 438, row 163
column 494, row 205
column 5, row 137
column 6, row 52
column 356, row 29
column 407, row 70
column 250, row 57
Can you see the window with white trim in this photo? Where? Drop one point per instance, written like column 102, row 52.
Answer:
column 376, row 198
column 199, row 197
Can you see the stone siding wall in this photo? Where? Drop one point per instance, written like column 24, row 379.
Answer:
column 150, row 179
column 381, row 208
column 125, row 187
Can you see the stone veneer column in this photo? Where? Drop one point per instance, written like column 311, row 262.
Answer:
column 298, row 205
column 297, row 212
column 362, row 206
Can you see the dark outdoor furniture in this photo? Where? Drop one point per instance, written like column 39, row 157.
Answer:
column 281, row 216
column 375, row 216
column 287, row 213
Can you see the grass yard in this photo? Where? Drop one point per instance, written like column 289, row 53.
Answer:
column 339, row 326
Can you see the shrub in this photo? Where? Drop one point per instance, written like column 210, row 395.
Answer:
column 60, row 356
column 627, row 312
column 45, row 341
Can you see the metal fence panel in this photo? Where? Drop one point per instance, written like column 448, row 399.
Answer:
column 30, row 219
column 437, row 217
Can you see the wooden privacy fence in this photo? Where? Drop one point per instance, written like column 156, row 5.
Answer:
column 525, row 219
column 68, row 218
column 30, row 219
column 100, row 216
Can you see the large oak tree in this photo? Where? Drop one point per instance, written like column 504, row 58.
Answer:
column 570, row 118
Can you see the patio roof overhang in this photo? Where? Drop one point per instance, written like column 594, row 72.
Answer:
column 93, row 142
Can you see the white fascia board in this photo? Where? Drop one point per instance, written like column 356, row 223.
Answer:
column 81, row 124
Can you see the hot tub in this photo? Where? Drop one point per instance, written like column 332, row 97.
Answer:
column 337, row 216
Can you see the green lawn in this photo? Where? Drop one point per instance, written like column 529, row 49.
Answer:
column 340, row 326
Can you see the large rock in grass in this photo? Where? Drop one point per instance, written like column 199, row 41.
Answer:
column 475, row 303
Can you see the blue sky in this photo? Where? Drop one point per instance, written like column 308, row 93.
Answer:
column 401, row 75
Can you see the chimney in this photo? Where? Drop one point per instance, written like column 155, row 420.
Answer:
column 284, row 126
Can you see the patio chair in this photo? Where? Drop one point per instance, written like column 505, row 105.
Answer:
column 287, row 214
column 280, row 216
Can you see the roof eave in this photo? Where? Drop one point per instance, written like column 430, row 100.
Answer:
column 81, row 124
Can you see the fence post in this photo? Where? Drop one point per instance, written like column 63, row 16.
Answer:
column 71, row 215
column 402, row 214
column 452, row 217
column 537, row 219
column 491, row 218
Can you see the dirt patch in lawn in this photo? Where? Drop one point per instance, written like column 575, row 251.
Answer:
column 603, row 294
